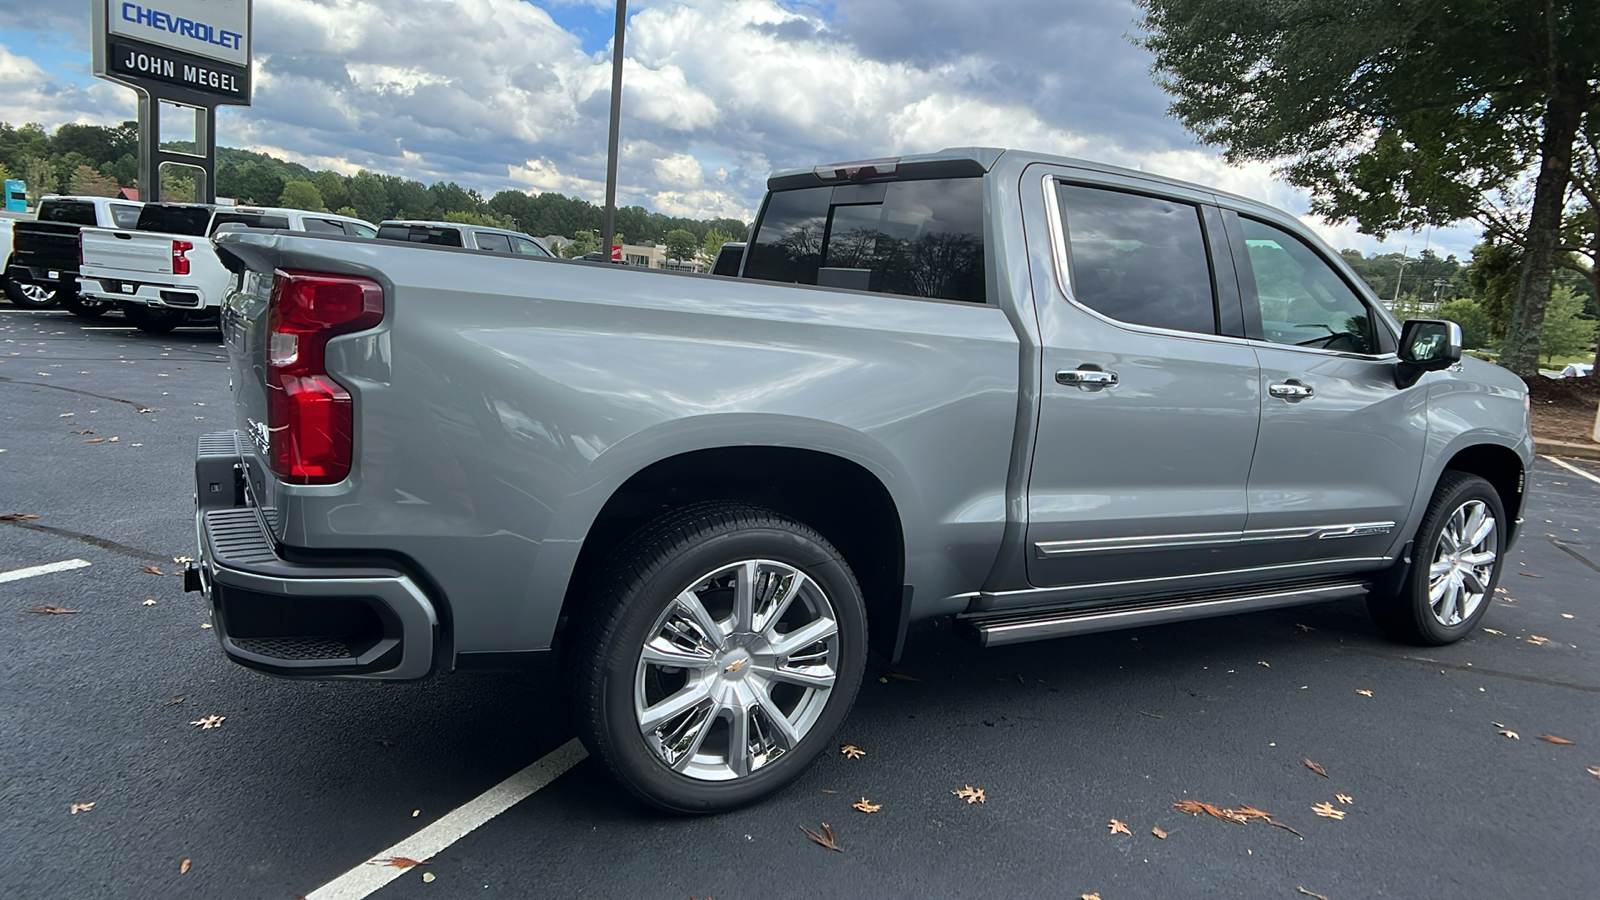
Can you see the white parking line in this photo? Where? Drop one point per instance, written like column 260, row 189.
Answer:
column 1573, row 469
column 364, row 879
column 46, row 569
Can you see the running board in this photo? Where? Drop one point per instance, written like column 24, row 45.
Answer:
column 999, row 629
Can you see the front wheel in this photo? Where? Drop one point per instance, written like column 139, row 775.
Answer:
column 721, row 659
column 1455, row 566
column 152, row 319
column 81, row 306
column 28, row 295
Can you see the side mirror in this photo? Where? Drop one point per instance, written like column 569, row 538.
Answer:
column 1426, row 345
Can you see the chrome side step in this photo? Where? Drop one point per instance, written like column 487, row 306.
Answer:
column 999, row 629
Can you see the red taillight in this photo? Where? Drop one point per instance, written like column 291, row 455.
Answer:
column 180, row 263
column 310, row 419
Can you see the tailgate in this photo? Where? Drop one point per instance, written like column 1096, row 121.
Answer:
column 45, row 245
column 127, row 253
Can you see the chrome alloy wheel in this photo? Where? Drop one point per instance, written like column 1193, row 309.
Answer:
column 737, row 670
column 36, row 293
column 1463, row 563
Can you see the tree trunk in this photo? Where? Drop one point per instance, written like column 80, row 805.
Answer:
column 1561, row 119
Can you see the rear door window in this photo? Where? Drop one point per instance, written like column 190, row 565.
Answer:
column 498, row 243
column 322, row 226
column 124, row 216
column 914, row 238
column 174, row 219
column 360, row 229
column 1138, row 259
column 71, row 212
column 530, row 248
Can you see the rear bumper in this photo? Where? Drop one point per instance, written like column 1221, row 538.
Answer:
column 45, row 275
column 166, row 296
column 298, row 620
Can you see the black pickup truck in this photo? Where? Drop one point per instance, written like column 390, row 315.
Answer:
column 43, row 269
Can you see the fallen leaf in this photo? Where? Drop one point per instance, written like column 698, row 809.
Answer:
column 1328, row 811
column 1529, row 575
column 1195, row 808
column 896, row 675
column 151, row 570
column 1566, row 615
column 829, row 791
column 825, row 838
column 1312, row 894
column 66, row 415
column 427, row 877
column 971, row 794
column 1150, row 715
column 1088, row 897
column 1346, row 799
column 384, row 742
column 205, row 626
column 53, row 610
column 183, row 869
column 1493, row 631
column 1118, row 827
column 1315, row 768
column 1552, row 739
column 1594, row 770
column 113, row 439
column 149, row 601
column 174, row 701
column 180, row 560
column 95, row 441
column 210, row 722
column 398, row 862
column 81, row 807
column 415, row 813
column 1262, row 662
column 1156, row 830
column 1364, row 693
column 1535, row 639
column 84, row 431
column 1304, row 627
column 1510, row 734
column 851, row 751
column 17, row 517
column 866, row 806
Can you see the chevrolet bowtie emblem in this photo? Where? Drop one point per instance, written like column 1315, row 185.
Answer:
column 736, row 666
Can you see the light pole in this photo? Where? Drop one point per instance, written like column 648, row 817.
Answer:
column 610, row 220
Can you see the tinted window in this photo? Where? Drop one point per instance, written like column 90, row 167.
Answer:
column 322, row 226
column 123, row 216
column 1137, row 259
column 530, row 248
column 421, row 234
column 498, row 243
column 174, row 219
column 1303, row 300
column 73, row 212
column 249, row 220
column 917, row 238
column 728, row 259
column 360, row 229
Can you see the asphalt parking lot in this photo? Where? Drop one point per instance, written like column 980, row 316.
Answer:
column 1433, row 757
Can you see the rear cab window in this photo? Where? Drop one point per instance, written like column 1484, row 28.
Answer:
column 920, row 238
column 174, row 219
column 124, row 216
column 70, row 212
column 421, row 234
column 250, row 220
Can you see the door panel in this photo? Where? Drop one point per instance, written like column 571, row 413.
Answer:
column 1142, row 477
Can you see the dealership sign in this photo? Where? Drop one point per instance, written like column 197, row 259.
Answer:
column 193, row 51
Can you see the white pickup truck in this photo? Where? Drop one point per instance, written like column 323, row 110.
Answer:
column 164, row 272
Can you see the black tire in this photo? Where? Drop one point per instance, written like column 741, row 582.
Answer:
column 643, row 583
column 28, row 295
column 151, row 319
column 82, row 307
column 1408, row 614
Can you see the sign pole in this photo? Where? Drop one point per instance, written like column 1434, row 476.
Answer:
column 609, row 225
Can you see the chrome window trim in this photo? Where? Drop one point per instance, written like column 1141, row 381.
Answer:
column 1052, row 549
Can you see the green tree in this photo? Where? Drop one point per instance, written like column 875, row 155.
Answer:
column 89, row 182
column 1566, row 332
column 583, row 241
column 40, row 177
column 367, row 195
column 681, row 244
column 1396, row 114
column 1472, row 319
column 331, row 185
column 301, row 194
column 1493, row 276
column 715, row 238
column 177, row 184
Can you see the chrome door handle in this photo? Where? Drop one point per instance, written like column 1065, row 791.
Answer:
column 1291, row 390
column 1086, row 378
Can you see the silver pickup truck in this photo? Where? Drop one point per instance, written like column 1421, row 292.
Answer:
column 1038, row 395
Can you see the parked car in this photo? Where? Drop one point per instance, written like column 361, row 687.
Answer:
column 42, row 268
column 729, row 257
column 162, row 271
column 455, row 234
column 1577, row 370
column 1038, row 396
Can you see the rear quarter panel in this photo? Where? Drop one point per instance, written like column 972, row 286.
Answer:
column 503, row 400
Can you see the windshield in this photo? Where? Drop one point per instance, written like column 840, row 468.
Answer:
column 174, row 219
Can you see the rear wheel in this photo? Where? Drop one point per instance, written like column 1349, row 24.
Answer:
column 152, row 319
column 1455, row 565
column 28, row 295
column 81, row 306
column 721, row 659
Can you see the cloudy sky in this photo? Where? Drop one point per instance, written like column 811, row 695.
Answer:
column 717, row 93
